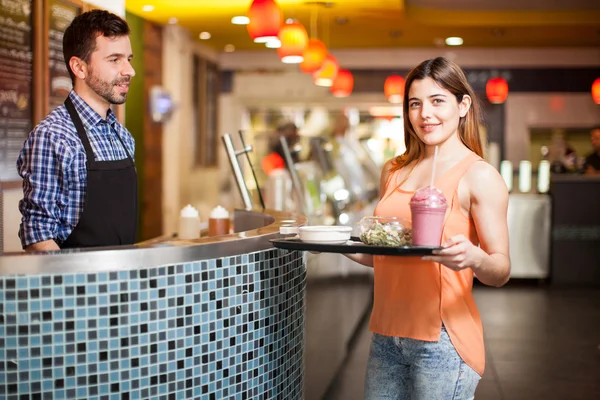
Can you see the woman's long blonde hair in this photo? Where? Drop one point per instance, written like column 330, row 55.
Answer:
column 452, row 78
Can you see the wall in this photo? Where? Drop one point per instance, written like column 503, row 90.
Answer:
column 11, row 218
column 408, row 58
column 536, row 110
column 135, row 107
column 115, row 6
column 184, row 183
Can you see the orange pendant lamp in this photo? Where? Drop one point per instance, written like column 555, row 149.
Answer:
column 596, row 91
column 496, row 90
column 325, row 75
column 342, row 84
column 394, row 88
column 314, row 55
column 265, row 20
column 293, row 38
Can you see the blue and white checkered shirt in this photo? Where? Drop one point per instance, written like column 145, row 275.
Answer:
column 52, row 165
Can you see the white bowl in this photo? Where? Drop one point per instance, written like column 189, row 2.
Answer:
column 325, row 234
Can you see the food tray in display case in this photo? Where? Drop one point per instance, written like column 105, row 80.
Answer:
column 354, row 245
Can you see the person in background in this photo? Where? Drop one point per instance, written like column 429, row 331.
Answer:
column 427, row 333
column 592, row 161
column 79, row 178
column 276, row 158
column 562, row 156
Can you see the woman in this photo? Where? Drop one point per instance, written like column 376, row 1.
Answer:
column 427, row 334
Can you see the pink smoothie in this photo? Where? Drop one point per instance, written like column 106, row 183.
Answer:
column 428, row 209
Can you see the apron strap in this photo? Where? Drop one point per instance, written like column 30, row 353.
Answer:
column 82, row 133
column 80, row 129
column 124, row 147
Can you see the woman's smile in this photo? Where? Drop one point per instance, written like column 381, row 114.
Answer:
column 428, row 128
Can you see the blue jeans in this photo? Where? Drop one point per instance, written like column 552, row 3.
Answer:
column 409, row 369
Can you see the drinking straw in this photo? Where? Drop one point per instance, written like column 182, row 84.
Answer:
column 435, row 153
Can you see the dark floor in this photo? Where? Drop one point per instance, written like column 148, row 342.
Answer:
column 541, row 343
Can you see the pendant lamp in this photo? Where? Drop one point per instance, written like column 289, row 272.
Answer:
column 314, row 55
column 496, row 90
column 293, row 38
column 265, row 20
column 596, row 91
column 342, row 84
column 394, row 88
column 325, row 75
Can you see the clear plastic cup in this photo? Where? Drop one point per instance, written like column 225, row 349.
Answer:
column 428, row 211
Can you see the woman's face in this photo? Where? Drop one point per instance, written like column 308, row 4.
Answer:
column 434, row 112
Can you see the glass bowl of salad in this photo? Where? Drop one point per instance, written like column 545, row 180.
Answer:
column 385, row 231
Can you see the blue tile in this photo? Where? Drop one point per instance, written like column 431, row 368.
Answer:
column 136, row 326
column 104, row 390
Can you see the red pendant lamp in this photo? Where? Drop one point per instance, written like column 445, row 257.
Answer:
column 496, row 90
column 394, row 88
column 596, row 91
column 325, row 75
column 342, row 84
column 293, row 38
column 314, row 55
column 265, row 20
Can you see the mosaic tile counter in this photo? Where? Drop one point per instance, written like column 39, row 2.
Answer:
column 105, row 325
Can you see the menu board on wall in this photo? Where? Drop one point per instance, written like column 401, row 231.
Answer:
column 16, row 74
column 60, row 15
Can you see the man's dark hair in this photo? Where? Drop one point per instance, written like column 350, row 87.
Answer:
column 79, row 39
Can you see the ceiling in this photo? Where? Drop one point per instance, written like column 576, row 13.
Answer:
column 346, row 24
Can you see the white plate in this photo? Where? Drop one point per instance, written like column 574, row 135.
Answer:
column 325, row 234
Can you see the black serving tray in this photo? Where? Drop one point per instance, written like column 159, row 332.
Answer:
column 354, row 245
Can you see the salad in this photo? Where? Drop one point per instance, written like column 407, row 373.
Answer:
column 385, row 234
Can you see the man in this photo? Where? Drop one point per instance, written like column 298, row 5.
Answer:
column 592, row 162
column 79, row 179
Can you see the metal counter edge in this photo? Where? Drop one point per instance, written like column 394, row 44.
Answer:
column 125, row 258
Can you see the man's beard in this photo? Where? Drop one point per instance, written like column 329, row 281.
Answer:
column 105, row 89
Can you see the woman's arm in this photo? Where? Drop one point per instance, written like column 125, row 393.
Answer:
column 489, row 203
column 367, row 259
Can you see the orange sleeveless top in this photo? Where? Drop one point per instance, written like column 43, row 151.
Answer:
column 413, row 297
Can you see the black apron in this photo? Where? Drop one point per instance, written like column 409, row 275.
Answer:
column 109, row 215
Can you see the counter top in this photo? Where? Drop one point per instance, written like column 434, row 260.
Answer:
column 253, row 231
column 565, row 178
